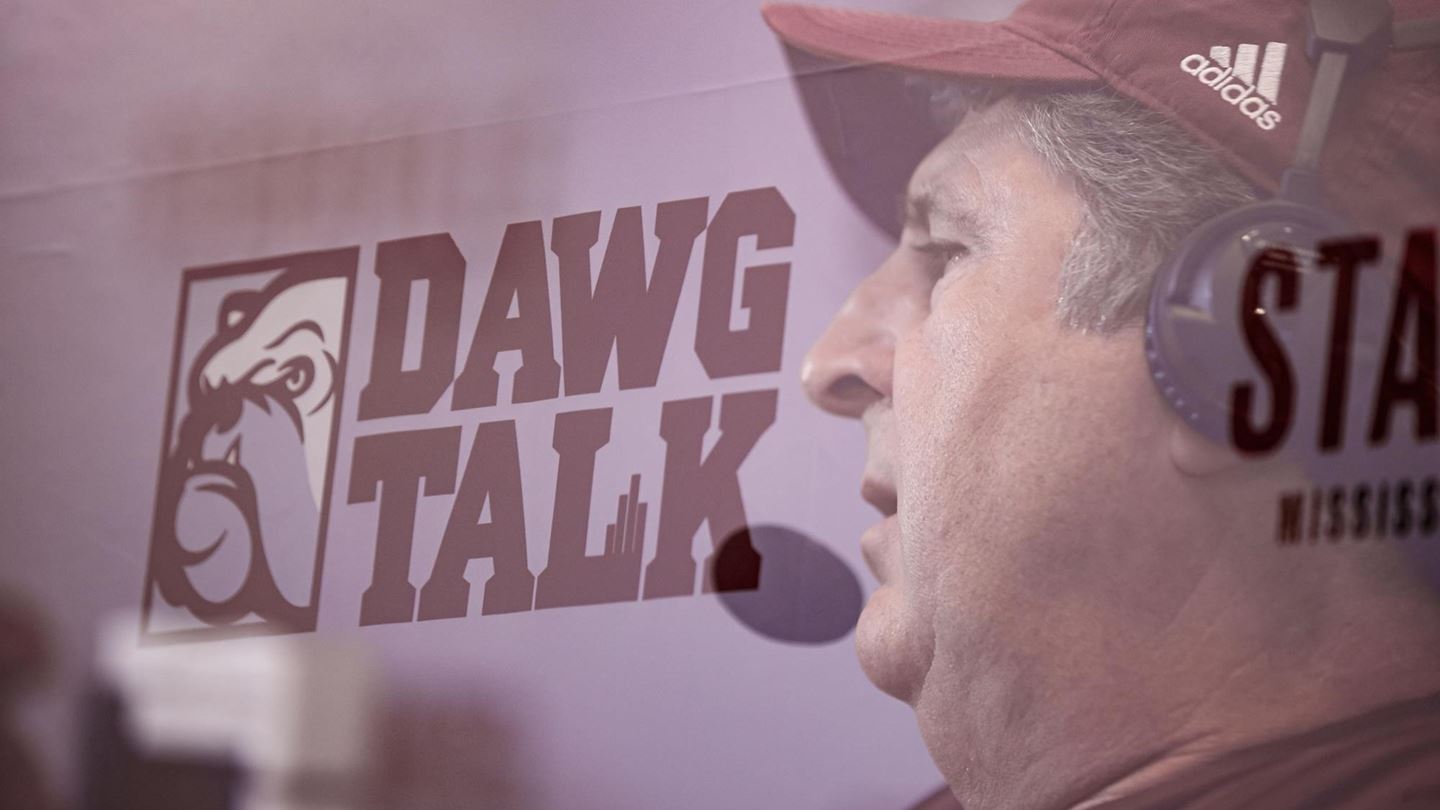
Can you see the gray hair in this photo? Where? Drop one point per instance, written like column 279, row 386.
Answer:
column 1143, row 181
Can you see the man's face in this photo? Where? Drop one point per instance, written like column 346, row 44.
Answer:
column 1023, row 564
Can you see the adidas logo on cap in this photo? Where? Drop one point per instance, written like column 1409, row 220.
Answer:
column 1236, row 82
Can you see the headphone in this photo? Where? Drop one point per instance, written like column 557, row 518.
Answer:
column 1192, row 327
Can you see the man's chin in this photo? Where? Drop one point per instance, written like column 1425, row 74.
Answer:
column 891, row 654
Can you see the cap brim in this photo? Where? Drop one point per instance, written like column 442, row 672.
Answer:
column 872, row 126
column 982, row 50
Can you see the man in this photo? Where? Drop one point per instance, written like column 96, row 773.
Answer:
column 1081, row 596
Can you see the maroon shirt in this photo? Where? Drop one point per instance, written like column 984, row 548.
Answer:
column 1389, row 758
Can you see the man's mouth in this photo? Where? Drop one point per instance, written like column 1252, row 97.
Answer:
column 879, row 493
column 875, row 547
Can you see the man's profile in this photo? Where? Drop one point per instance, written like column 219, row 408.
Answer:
column 1081, row 594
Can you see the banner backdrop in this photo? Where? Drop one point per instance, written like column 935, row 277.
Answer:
column 500, row 385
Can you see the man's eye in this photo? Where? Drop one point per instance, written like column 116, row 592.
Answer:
column 942, row 257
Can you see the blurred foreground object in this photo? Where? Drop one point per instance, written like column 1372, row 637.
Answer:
column 246, row 723
column 24, row 656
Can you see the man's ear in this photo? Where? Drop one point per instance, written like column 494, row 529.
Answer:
column 1195, row 455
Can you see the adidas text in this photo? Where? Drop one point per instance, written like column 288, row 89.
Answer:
column 1235, row 80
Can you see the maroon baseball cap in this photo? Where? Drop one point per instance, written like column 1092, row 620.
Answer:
column 1233, row 73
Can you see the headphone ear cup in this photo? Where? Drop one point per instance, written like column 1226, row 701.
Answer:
column 1194, row 342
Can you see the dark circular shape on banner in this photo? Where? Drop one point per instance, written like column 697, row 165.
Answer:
column 805, row 595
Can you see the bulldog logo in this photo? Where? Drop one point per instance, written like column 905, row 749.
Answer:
column 243, row 495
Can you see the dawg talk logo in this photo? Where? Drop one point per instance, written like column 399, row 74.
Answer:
column 254, row 410
column 1236, row 81
column 242, row 497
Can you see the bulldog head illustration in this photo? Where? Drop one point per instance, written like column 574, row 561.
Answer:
column 242, row 490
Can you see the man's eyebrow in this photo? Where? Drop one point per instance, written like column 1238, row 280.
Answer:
column 917, row 207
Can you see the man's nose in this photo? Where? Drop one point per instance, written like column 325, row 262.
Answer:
column 850, row 367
